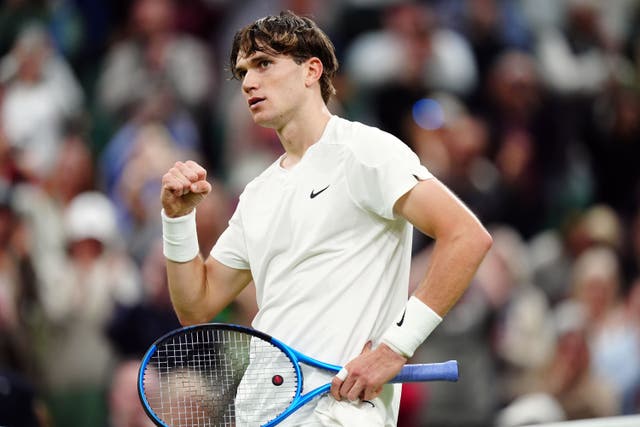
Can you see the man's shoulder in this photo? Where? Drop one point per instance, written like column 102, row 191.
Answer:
column 368, row 144
column 351, row 131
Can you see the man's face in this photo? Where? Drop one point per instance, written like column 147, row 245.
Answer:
column 273, row 86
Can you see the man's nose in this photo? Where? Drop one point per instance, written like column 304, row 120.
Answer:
column 249, row 82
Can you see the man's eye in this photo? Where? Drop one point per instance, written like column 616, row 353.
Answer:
column 264, row 64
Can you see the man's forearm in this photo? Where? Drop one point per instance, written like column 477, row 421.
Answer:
column 454, row 261
column 189, row 291
column 200, row 289
column 452, row 266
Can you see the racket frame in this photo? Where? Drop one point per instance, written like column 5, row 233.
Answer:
column 444, row 371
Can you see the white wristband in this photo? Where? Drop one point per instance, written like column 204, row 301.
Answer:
column 179, row 237
column 413, row 326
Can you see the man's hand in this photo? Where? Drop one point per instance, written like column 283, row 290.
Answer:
column 367, row 373
column 183, row 187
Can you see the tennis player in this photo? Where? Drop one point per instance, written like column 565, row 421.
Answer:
column 325, row 232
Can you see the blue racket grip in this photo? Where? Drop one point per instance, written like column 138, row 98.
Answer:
column 444, row 371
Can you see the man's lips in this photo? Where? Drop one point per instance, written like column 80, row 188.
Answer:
column 254, row 100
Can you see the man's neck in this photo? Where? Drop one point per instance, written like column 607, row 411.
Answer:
column 301, row 133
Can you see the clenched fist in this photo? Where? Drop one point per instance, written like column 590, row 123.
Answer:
column 183, row 187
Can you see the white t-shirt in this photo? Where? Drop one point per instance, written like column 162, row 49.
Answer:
column 329, row 258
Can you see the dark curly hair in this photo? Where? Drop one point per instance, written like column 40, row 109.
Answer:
column 288, row 34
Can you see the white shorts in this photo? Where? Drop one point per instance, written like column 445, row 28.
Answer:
column 328, row 412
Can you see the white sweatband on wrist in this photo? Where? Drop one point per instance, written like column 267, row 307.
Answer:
column 179, row 237
column 413, row 326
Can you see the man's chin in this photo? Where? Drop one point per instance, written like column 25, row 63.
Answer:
column 263, row 121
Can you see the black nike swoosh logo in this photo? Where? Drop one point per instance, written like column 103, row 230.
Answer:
column 314, row 193
column 402, row 318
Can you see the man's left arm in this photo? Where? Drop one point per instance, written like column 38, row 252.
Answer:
column 461, row 243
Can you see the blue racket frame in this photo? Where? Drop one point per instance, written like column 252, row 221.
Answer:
column 444, row 371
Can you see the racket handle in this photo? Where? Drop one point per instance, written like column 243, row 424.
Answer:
column 444, row 371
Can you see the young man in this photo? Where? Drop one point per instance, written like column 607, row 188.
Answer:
column 324, row 232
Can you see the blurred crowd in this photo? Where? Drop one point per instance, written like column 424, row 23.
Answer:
column 529, row 110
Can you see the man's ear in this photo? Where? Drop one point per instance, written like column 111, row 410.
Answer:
column 314, row 71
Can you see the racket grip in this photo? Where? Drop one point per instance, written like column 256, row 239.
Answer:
column 444, row 371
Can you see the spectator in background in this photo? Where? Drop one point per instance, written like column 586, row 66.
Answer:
column 531, row 146
column 611, row 133
column 493, row 27
column 154, row 54
column 41, row 95
column 577, row 58
column 583, row 64
column 125, row 409
column 613, row 331
column 409, row 54
column 79, row 297
column 522, row 332
column 553, row 252
column 630, row 317
column 19, row 300
column 134, row 327
column 42, row 204
column 413, row 46
column 596, row 284
column 530, row 409
column 567, row 378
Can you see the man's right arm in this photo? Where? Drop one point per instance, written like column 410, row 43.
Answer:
column 199, row 288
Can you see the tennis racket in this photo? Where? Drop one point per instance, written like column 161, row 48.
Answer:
column 222, row 375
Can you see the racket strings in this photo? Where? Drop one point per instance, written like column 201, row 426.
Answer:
column 218, row 377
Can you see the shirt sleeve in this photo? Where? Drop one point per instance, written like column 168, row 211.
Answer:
column 231, row 248
column 381, row 169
